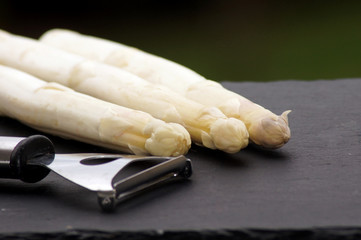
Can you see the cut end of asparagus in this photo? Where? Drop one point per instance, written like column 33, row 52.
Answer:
column 229, row 135
column 167, row 139
column 271, row 131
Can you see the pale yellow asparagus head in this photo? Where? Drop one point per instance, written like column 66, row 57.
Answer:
column 270, row 131
column 142, row 134
column 223, row 133
column 169, row 139
column 229, row 134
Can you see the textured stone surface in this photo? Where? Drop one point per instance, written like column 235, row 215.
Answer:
column 310, row 187
column 244, row 234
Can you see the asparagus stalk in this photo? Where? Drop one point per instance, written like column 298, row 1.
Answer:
column 265, row 128
column 56, row 109
column 208, row 126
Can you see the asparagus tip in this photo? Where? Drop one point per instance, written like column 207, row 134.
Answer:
column 229, row 135
column 168, row 140
column 271, row 131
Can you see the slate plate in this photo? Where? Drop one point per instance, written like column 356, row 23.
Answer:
column 311, row 185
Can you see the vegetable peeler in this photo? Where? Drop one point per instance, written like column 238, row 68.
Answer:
column 114, row 177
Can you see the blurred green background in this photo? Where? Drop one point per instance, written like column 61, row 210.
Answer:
column 222, row 40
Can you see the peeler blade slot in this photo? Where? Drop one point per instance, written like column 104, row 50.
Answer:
column 98, row 160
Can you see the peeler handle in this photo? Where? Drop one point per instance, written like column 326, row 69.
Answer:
column 25, row 158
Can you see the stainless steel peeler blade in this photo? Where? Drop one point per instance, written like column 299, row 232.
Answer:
column 113, row 177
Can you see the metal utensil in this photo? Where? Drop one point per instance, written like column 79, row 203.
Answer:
column 109, row 175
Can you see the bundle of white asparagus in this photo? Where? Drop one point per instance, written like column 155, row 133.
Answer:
column 207, row 126
column 265, row 128
column 53, row 108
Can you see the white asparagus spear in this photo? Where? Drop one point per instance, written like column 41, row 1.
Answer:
column 265, row 128
column 55, row 109
column 208, row 126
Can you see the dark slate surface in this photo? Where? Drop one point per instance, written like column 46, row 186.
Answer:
column 312, row 185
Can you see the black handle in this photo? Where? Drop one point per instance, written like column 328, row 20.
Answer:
column 25, row 158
